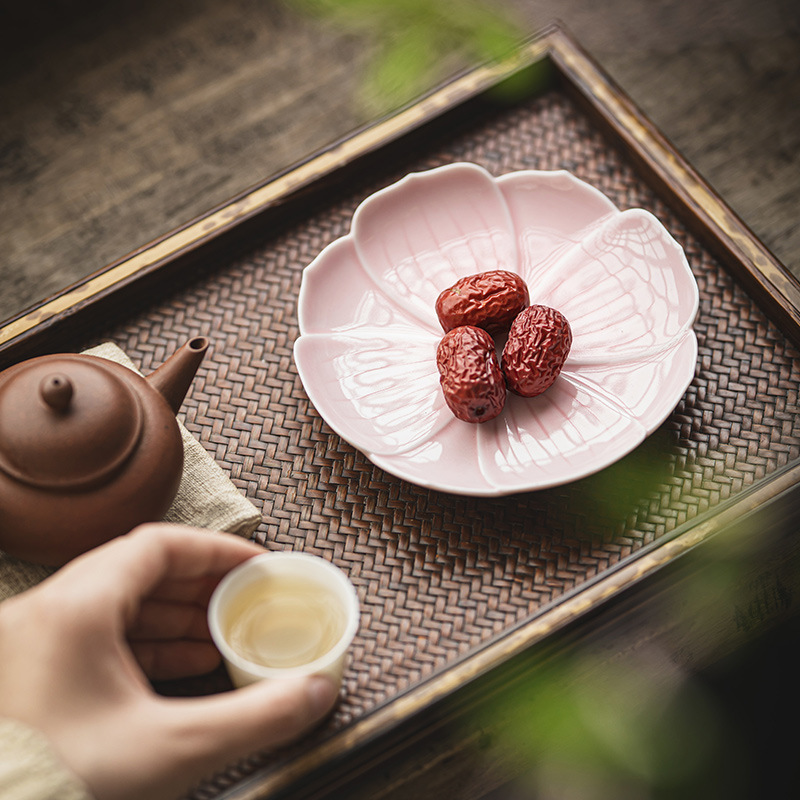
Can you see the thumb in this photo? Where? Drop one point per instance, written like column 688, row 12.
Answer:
column 264, row 715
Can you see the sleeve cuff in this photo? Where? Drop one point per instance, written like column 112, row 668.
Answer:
column 31, row 770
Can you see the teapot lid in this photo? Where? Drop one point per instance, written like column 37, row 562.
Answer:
column 66, row 422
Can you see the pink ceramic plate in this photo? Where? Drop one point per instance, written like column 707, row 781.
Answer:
column 369, row 332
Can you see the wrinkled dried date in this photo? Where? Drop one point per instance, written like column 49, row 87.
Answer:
column 472, row 382
column 537, row 347
column 489, row 300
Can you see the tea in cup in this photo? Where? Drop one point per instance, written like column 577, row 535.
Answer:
column 284, row 614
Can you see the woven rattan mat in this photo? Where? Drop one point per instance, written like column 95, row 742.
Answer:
column 440, row 575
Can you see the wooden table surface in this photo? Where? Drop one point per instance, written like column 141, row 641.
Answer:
column 121, row 121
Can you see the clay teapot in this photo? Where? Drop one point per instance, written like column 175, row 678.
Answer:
column 88, row 450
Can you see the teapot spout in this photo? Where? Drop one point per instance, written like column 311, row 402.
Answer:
column 174, row 377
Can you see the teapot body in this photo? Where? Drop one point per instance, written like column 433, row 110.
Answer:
column 88, row 450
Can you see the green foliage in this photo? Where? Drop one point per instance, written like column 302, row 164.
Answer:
column 588, row 728
column 613, row 495
column 416, row 44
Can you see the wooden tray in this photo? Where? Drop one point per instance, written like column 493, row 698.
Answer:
column 454, row 589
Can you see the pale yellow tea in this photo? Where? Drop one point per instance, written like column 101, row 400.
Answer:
column 283, row 622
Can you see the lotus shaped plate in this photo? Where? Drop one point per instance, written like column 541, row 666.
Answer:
column 366, row 353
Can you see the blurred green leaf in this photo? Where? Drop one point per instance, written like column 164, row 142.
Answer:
column 582, row 723
column 416, row 44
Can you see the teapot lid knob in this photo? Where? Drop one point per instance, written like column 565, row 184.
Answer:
column 57, row 390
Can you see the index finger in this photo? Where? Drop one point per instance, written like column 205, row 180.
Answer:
column 131, row 567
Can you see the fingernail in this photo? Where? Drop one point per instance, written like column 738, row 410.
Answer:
column 322, row 694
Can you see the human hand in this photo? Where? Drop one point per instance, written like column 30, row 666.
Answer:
column 78, row 649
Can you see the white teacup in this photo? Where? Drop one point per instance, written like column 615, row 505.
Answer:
column 284, row 614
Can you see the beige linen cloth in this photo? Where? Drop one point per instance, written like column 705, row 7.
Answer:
column 206, row 498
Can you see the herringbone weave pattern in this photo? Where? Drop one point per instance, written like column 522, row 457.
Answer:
column 440, row 575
